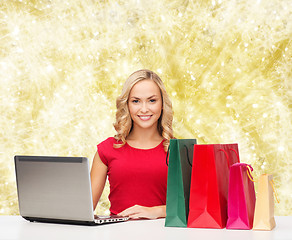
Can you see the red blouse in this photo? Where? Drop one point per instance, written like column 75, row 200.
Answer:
column 136, row 176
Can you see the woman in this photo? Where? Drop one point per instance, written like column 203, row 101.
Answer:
column 134, row 160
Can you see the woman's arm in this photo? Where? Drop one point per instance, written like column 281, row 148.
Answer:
column 98, row 177
column 138, row 211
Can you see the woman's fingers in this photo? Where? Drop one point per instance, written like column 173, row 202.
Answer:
column 134, row 210
column 137, row 211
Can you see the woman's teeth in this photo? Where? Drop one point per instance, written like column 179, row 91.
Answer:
column 145, row 117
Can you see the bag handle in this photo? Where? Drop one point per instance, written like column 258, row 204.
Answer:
column 275, row 193
column 250, row 176
column 188, row 155
column 167, row 154
column 235, row 153
column 226, row 156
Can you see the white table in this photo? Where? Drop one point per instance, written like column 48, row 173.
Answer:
column 15, row 227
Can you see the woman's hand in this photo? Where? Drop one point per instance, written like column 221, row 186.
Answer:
column 138, row 211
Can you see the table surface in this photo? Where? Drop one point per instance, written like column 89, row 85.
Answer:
column 15, row 227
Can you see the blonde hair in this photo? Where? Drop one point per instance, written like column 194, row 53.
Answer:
column 123, row 124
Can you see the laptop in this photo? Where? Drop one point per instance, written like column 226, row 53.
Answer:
column 57, row 190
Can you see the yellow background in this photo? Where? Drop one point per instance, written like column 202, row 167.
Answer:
column 226, row 66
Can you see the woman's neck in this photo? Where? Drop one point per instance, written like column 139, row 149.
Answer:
column 144, row 138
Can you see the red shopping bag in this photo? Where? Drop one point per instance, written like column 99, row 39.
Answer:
column 241, row 197
column 209, row 184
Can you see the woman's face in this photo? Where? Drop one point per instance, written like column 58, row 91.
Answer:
column 145, row 104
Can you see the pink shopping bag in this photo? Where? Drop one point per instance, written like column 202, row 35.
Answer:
column 241, row 197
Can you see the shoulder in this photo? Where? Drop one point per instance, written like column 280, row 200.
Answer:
column 108, row 141
column 106, row 150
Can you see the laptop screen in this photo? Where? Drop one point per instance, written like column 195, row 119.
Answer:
column 54, row 187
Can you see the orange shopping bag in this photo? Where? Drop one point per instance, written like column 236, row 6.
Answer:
column 264, row 209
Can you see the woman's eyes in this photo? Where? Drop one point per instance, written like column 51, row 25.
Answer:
column 137, row 101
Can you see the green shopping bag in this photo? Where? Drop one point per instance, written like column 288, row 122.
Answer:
column 180, row 153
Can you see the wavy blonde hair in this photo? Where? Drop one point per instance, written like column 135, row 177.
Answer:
column 123, row 124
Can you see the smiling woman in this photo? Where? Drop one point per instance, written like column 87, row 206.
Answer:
column 134, row 160
column 145, row 106
column 124, row 120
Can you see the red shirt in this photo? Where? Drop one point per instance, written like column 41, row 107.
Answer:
column 136, row 176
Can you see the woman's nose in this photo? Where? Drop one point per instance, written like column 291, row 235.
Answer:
column 144, row 107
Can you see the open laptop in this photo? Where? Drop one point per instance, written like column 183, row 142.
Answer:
column 56, row 190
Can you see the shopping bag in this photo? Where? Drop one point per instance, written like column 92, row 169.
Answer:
column 241, row 197
column 264, row 208
column 178, row 181
column 209, row 184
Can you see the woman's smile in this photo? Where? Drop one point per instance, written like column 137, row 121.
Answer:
column 144, row 117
